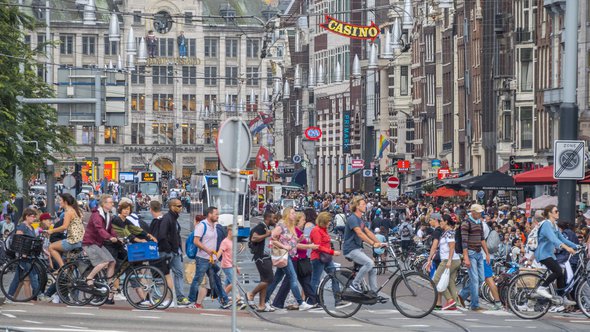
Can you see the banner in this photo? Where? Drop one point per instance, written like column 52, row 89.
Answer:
column 351, row 30
column 262, row 157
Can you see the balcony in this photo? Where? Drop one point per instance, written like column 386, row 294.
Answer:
column 558, row 4
column 553, row 96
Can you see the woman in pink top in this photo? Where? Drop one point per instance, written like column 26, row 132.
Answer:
column 225, row 253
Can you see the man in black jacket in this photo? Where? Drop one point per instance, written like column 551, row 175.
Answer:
column 169, row 244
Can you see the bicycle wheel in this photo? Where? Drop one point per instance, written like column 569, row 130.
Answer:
column 330, row 294
column 413, row 294
column 583, row 297
column 145, row 287
column 22, row 279
column 167, row 300
column 67, row 291
column 486, row 293
column 522, row 299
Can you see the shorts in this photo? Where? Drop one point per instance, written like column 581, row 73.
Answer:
column 98, row 255
column 229, row 274
column 487, row 269
column 66, row 246
column 264, row 266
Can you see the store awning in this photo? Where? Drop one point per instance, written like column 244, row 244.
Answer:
column 542, row 176
column 491, row 181
column 421, row 182
column 299, row 178
column 350, row 174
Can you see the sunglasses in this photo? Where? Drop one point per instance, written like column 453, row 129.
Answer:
column 177, row 205
column 555, row 211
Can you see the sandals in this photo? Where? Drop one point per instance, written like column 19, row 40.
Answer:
column 250, row 302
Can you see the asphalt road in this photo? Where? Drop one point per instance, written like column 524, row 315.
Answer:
column 382, row 317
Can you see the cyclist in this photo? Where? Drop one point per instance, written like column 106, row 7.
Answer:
column 25, row 227
column 355, row 234
column 550, row 239
column 99, row 230
column 73, row 224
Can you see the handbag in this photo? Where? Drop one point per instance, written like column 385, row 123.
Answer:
column 304, row 267
column 279, row 257
column 443, row 282
column 325, row 258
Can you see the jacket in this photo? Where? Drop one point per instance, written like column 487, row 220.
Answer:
column 126, row 229
column 169, row 234
column 550, row 238
column 99, row 228
column 320, row 236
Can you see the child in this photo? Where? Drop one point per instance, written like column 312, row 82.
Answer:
column 379, row 251
column 516, row 250
column 225, row 252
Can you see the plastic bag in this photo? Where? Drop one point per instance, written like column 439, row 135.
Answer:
column 443, row 283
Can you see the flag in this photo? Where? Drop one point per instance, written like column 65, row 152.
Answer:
column 260, row 122
column 382, row 145
column 262, row 157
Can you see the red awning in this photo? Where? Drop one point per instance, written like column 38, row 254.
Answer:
column 542, row 176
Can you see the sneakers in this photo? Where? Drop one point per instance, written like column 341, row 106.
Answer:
column 145, row 303
column 183, row 301
column 461, row 300
column 450, row 305
column 226, row 305
column 111, row 301
column 543, row 292
column 477, row 309
column 356, row 288
column 496, row 306
column 342, row 304
column 55, row 299
column 120, row 297
column 557, row 309
column 382, row 299
column 196, row 306
column 567, row 302
column 305, row 306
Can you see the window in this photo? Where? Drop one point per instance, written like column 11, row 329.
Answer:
column 210, row 76
column 87, row 134
column 526, row 127
column 41, row 71
column 410, row 135
column 136, row 17
column 162, row 133
column 138, row 102
column 138, row 133
column 251, row 106
column 269, row 76
column 110, row 47
column 231, row 48
column 211, row 47
column 210, row 133
column 88, row 45
column 231, row 74
column 430, row 90
column 165, row 47
column 189, row 103
column 138, row 75
column 162, row 74
column 188, row 18
column 111, row 134
column 507, row 126
column 390, row 81
column 252, row 75
column 211, row 102
column 189, row 133
column 252, row 48
column 163, row 102
column 526, row 69
column 66, row 46
column 189, row 75
column 191, row 47
column 404, row 81
column 40, row 42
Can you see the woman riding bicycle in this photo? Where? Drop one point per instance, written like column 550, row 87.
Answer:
column 73, row 224
column 549, row 239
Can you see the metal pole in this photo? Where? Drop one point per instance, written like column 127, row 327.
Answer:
column 50, row 179
column 18, row 174
column 568, row 110
column 234, row 284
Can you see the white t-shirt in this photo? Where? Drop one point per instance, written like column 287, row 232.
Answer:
column 445, row 239
column 208, row 237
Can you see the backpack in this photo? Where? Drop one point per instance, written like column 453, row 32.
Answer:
column 189, row 246
column 459, row 239
column 493, row 242
column 533, row 240
column 406, row 232
column 154, row 227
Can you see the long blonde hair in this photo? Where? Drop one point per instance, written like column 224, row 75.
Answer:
column 290, row 224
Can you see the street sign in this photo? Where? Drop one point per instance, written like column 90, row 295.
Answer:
column 569, row 160
column 435, row 163
column 69, row 181
column 403, row 165
column 392, row 194
column 443, row 172
column 481, row 194
column 367, row 173
column 296, row 159
column 528, row 207
column 227, row 182
column 234, row 144
column 357, row 163
column 393, row 182
column 313, row 133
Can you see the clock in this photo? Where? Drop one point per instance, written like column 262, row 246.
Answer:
column 162, row 22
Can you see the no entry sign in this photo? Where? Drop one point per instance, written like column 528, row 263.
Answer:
column 393, row 182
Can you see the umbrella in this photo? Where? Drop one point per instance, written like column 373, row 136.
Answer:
column 541, row 202
column 447, row 192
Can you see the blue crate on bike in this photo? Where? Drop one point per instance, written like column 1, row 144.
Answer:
column 146, row 251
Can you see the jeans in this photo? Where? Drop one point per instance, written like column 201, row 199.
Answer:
column 229, row 275
column 304, row 281
column 177, row 269
column 368, row 265
column 203, row 266
column 216, row 285
column 24, row 266
column 289, row 272
column 476, row 278
column 317, row 267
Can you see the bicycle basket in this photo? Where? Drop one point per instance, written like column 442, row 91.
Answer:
column 145, row 251
column 26, row 245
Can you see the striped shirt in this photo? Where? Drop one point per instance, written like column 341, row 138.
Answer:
column 472, row 234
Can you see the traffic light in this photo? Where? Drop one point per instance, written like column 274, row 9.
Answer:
column 377, row 175
column 78, row 176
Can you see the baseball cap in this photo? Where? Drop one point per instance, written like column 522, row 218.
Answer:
column 44, row 216
column 476, row 208
column 377, row 230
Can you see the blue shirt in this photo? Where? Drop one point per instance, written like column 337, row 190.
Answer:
column 550, row 238
column 26, row 230
column 382, row 239
column 351, row 240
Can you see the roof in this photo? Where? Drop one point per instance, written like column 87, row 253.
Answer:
column 68, row 11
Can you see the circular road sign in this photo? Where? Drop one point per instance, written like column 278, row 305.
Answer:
column 234, row 144
column 569, row 159
column 69, row 181
column 296, row 159
column 393, row 182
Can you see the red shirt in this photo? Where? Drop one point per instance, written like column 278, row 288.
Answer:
column 319, row 236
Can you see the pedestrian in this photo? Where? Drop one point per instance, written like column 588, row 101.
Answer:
column 449, row 260
column 260, row 247
column 227, row 265
column 321, row 258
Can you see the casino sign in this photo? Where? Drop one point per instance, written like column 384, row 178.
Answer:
column 351, row 30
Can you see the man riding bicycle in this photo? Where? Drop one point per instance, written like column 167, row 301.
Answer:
column 355, row 234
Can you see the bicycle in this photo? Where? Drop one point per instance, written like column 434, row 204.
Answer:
column 144, row 285
column 413, row 294
column 526, row 304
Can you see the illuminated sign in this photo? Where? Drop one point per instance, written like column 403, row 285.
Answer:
column 247, row 172
column 148, row 177
column 346, row 132
column 351, row 30
column 212, row 182
column 180, row 61
column 313, row 133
